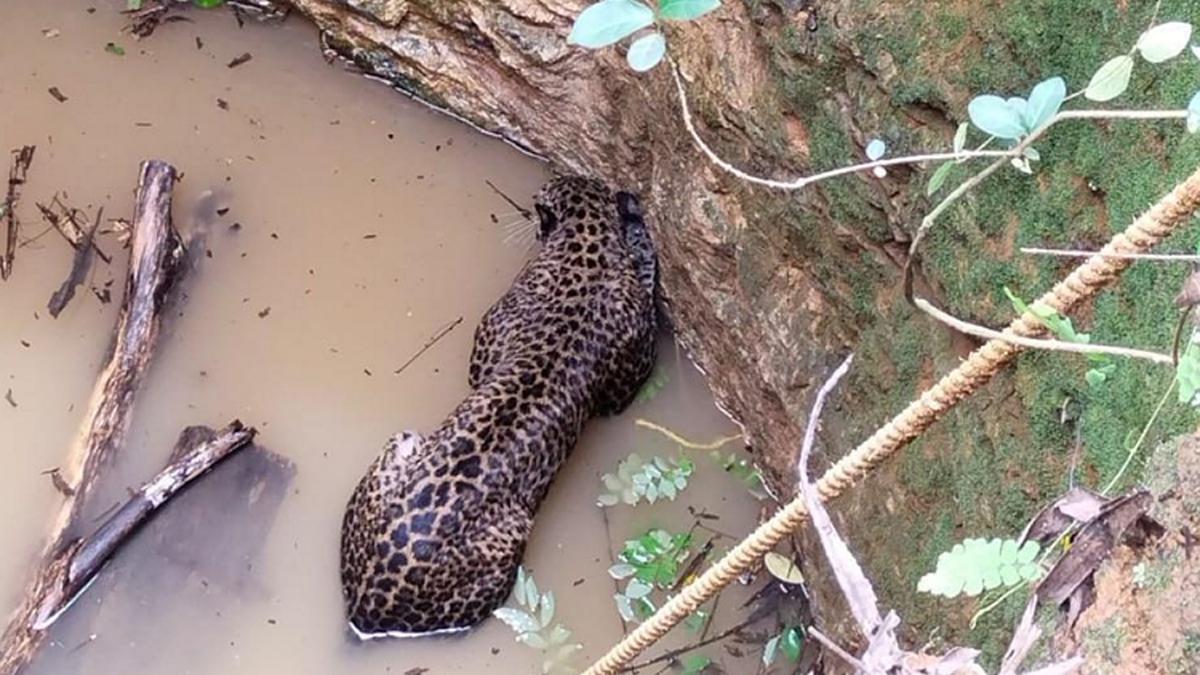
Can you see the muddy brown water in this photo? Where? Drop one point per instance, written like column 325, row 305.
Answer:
column 346, row 225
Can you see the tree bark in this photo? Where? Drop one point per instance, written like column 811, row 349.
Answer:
column 156, row 250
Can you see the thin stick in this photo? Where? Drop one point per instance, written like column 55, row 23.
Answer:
column 22, row 158
column 836, row 649
column 526, row 213
column 1038, row 343
column 683, row 441
column 676, row 653
column 429, row 343
column 1068, row 253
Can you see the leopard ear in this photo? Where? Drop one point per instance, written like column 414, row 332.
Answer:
column 548, row 221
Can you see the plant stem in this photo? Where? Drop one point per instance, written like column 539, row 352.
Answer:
column 1037, row 343
column 1141, row 439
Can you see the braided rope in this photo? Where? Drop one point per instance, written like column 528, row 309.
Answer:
column 1170, row 213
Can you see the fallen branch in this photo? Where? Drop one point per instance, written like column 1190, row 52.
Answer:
column 85, row 557
column 155, row 252
column 22, row 158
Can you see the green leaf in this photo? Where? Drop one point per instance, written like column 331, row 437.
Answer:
column 133, row 5
column 1164, row 41
column 1111, row 80
column 791, row 643
column 684, row 10
column 1188, row 372
column 637, row 589
column 1029, row 550
column 976, row 565
column 875, row 149
column 519, row 621
column 114, row 48
column 996, row 117
column 533, row 640
column 208, row 4
column 696, row 663
column 608, row 22
column 1193, row 117
column 770, row 649
column 960, row 137
column 621, row 571
column 547, row 614
column 1044, row 101
column 938, row 178
column 646, row 52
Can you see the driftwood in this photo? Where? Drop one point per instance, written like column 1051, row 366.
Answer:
column 154, row 256
column 22, row 158
column 83, row 558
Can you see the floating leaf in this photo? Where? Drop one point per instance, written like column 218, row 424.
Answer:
column 646, row 52
column 1111, row 80
column 783, row 568
column 1164, row 41
column 114, row 48
column 791, row 643
column 547, row 609
column 533, row 640
column 994, row 116
column 1044, row 101
column 696, row 663
column 960, row 137
column 621, row 571
column 608, row 22
column 976, row 565
column 684, row 10
column 938, row 178
column 208, row 4
column 637, row 589
column 875, row 149
column 770, row 649
column 519, row 621
column 133, row 5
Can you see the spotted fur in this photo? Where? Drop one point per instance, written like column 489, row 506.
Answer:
column 434, row 533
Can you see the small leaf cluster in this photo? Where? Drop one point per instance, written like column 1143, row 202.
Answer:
column 1103, row 365
column 978, row 565
column 609, row 21
column 531, row 619
column 648, row 562
column 637, row 479
column 790, row 641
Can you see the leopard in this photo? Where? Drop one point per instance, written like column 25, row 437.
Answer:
column 435, row 531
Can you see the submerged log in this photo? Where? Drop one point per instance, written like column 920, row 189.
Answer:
column 155, row 253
